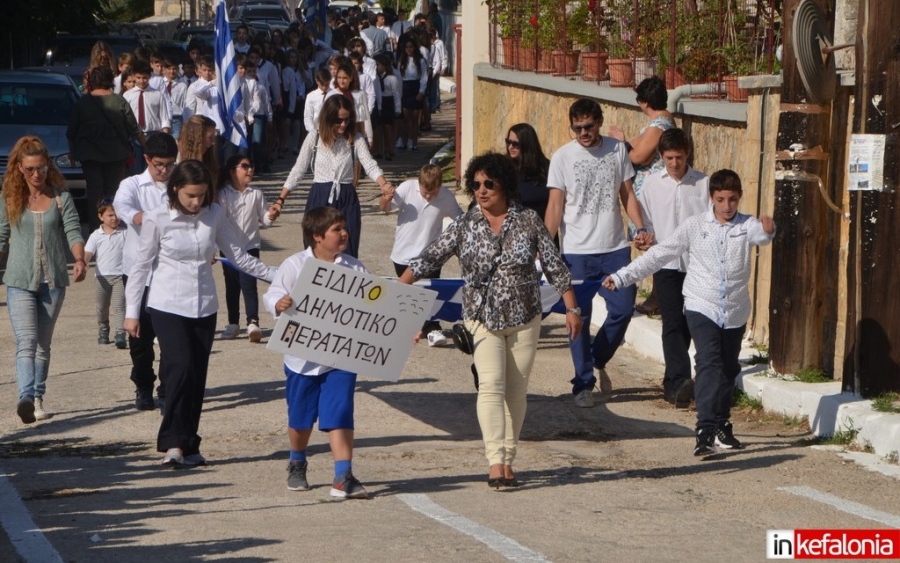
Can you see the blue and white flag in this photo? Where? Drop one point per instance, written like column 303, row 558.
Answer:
column 227, row 80
column 316, row 20
column 448, row 303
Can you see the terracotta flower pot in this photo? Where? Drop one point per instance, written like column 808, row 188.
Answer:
column 545, row 62
column 621, row 73
column 566, row 62
column 510, row 51
column 525, row 58
column 594, row 66
column 732, row 91
column 674, row 78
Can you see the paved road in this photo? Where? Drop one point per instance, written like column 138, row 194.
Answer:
column 617, row 482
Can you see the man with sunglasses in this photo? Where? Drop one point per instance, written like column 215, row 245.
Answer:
column 589, row 182
column 137, row 195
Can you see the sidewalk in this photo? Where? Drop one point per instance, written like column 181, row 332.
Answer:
column 828, row 410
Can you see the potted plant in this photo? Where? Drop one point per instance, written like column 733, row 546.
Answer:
column 508, row 22
column 671, row 69
column 585, row 26
column 620, row 42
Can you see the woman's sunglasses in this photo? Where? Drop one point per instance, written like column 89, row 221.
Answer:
column 488, row 184
column 512, row 144
column 245, row 166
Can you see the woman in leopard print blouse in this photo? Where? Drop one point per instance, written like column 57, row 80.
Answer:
column 497, row 242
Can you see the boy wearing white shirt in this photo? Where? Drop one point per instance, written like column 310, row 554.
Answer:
column 107, row 244
column 719, row 245
column 174, row 91
column 423, row 205
column 668, row 198
column 315, row 99
column 137, row 195
column 261, row 109
column 149, row 107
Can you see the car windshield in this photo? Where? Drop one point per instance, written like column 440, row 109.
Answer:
column 35, row 104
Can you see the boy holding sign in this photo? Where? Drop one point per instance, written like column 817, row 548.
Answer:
column 314, row 390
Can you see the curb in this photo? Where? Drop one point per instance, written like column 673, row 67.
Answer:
column 828, row 409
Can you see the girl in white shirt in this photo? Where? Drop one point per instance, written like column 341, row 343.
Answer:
column 414, row 73
column 246, row 207
column 332, row 152
column 178, row 242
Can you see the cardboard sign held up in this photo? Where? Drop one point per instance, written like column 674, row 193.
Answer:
column 351, row 320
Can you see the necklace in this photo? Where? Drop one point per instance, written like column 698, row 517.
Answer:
column 34, row 197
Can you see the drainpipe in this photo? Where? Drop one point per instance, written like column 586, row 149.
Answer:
column 691, row 90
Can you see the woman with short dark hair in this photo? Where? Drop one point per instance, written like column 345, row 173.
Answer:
column 497, row 242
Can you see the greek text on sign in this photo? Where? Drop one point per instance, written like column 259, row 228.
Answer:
column 351, row 320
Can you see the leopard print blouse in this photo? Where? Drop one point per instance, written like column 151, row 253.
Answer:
column 501, row 288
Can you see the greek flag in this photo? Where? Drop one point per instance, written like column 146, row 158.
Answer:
column 448, row 302
column 227, row 80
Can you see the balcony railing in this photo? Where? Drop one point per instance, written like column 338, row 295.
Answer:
column 618, row 43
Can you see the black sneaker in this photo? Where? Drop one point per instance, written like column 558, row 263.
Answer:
column 684, row 394
column 297, row 476
column 725, row 437
column 143, row 399
column 706, row 443
column 348, row 486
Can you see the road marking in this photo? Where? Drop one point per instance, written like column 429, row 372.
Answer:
column 511, row 549
column 843, row 505
column 26, row 537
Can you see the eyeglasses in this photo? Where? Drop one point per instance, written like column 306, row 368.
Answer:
column 30, row 170
column 245, row 166
column 342, row 120
column 488, row 184
column 512, row 144
column 585, row 127
column 163, row 168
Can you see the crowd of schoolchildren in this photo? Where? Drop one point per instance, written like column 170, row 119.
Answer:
column 179, row 208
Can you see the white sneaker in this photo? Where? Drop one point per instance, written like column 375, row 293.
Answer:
column 401, row 144
column 584, row 399
column 438, row 338
column 253, row 332
column 39, row 412
column 604, row 381
column 230, row 332
column 193, row 460
column 410, row 144
column 173, row 457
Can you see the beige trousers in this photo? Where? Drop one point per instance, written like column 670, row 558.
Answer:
column 504, row 359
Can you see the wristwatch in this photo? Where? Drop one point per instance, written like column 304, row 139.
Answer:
column 574, row 311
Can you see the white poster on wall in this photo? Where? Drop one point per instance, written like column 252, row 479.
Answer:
column 866, row 162
column 351, row 320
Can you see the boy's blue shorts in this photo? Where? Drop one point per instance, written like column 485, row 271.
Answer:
column 328, row 397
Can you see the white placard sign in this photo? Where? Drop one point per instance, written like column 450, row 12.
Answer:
column 866, row 163
column 351, row 320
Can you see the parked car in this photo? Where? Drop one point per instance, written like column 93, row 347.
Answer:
column 203, row 34
column 39, row 104
column 250, row 12
column 175, row 51
column 75, row 50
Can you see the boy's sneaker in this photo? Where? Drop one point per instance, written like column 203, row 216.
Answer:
column 39, row 412
column 121, row 340
column 253, row 332
column 230, row 332
column 584, row 399
column 143, row 399
column 409, row 144
column 725, row 437
column 103, row 335
column 348, row 486
column 401, row 144
column 296, row 479
column 440, row 338
column 706, row 443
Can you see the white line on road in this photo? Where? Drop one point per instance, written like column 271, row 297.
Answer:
column 843, row 505
column 503, row 545
column 26, row 537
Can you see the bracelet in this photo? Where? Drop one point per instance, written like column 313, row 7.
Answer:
column 279, row 200
column 641, row 230
column 279, row 204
